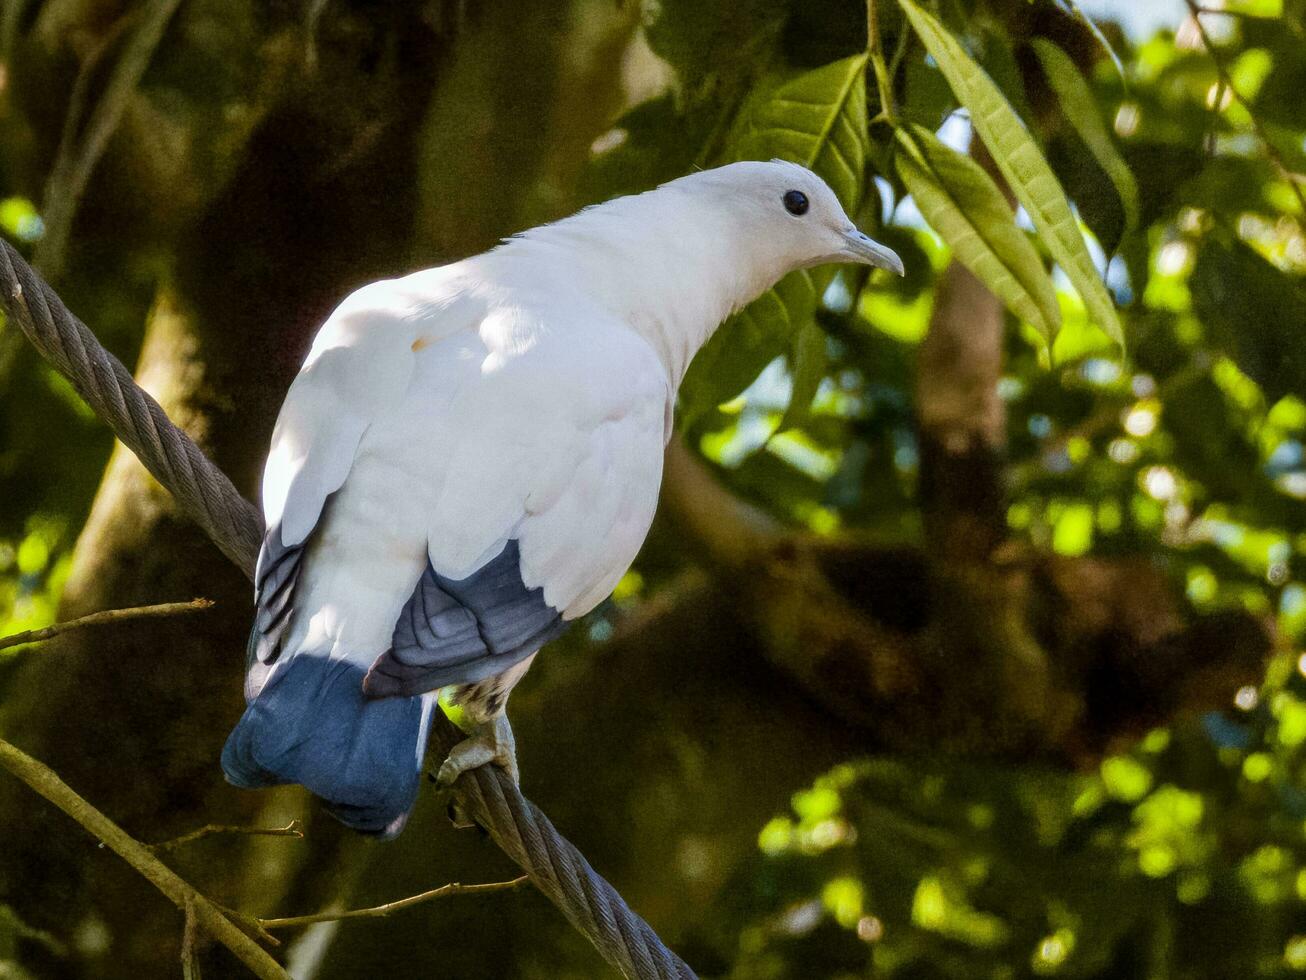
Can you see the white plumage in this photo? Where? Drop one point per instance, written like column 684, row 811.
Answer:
column 489, row 434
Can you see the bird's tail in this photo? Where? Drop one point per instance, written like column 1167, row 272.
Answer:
column 311, row 724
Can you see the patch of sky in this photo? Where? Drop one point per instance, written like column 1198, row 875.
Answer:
column 1287, row 455
column 838, row 298
column 906, row 456
column 1117, row 280
column 908, row 215
column 1010, row 388
column 956, row 131
column 1140, row 20
column 885, row 190
column 1225, row 732
column 1100, row 371
column 1040, row 425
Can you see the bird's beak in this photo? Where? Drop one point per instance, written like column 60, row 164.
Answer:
column 859, row 247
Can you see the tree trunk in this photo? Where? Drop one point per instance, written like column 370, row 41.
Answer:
column 134, row 717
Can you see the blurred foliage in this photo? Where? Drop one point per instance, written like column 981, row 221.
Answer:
column 1185, row 856
column 1149, row 209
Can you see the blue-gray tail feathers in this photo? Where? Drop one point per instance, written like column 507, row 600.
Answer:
column 311, row 724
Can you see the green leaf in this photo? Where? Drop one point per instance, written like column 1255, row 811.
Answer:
column 818, row 119
column 746, row 343
column 1081, row 109
column 1253, row 312
column 963, row 204
column 1096, row 31
column 808, row 362
column 1022, row 164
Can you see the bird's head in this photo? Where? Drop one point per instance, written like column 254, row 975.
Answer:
column 675, row 261
column 786, row 215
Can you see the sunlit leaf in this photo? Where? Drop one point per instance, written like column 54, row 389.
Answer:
column 818, row 119
column 1081, row 109
column 1022, row 164
column 963, row 204
column 1254, row 8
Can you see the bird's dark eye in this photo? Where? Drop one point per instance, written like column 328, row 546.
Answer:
column 795, row 202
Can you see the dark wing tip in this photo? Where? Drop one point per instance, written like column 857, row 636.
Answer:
column 378, row 684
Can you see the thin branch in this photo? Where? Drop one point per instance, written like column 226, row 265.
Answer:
column 379, row 911
column 725, row 529
column 48, row 784
column 882, row 81
column 11, row 923
column 249, row 925
column 292, row 829
column 74, row 164
column 105, row 616
column 80, row 94
column 899, row 51
column 190, row 961
column 1294, row 180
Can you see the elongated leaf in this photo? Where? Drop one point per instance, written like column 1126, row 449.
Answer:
column 1022, row 164
column 1079, row 106
column 808, row 362
column 963, row 204
column 816, row 118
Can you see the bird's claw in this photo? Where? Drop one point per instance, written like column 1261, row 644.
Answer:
column 489, row 742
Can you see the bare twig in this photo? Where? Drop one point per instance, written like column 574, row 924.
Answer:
column 883, row 83
column 44, row 781
column 80, row 96
column 249, row 925
column 74, row 165
column 190, row 960
column 11, row 923
column 292, row 829
column 10, row 20
column 378, row 911
column 105, row 616
column 899, row 51
column 1294, row 180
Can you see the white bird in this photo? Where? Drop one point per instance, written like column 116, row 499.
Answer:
column 470, row 458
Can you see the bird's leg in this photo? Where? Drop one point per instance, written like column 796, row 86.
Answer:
column 489, row 736
column 490, row 741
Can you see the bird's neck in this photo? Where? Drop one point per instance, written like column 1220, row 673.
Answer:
column 670, row 279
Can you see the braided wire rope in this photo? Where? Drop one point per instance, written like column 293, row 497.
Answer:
column 487, row 795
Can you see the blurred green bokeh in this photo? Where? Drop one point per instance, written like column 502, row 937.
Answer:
column 1151, row 823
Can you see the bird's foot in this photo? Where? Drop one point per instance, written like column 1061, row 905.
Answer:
column 490, row 741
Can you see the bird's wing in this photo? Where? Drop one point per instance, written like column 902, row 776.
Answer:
column 359, row 368
column 546, row 493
